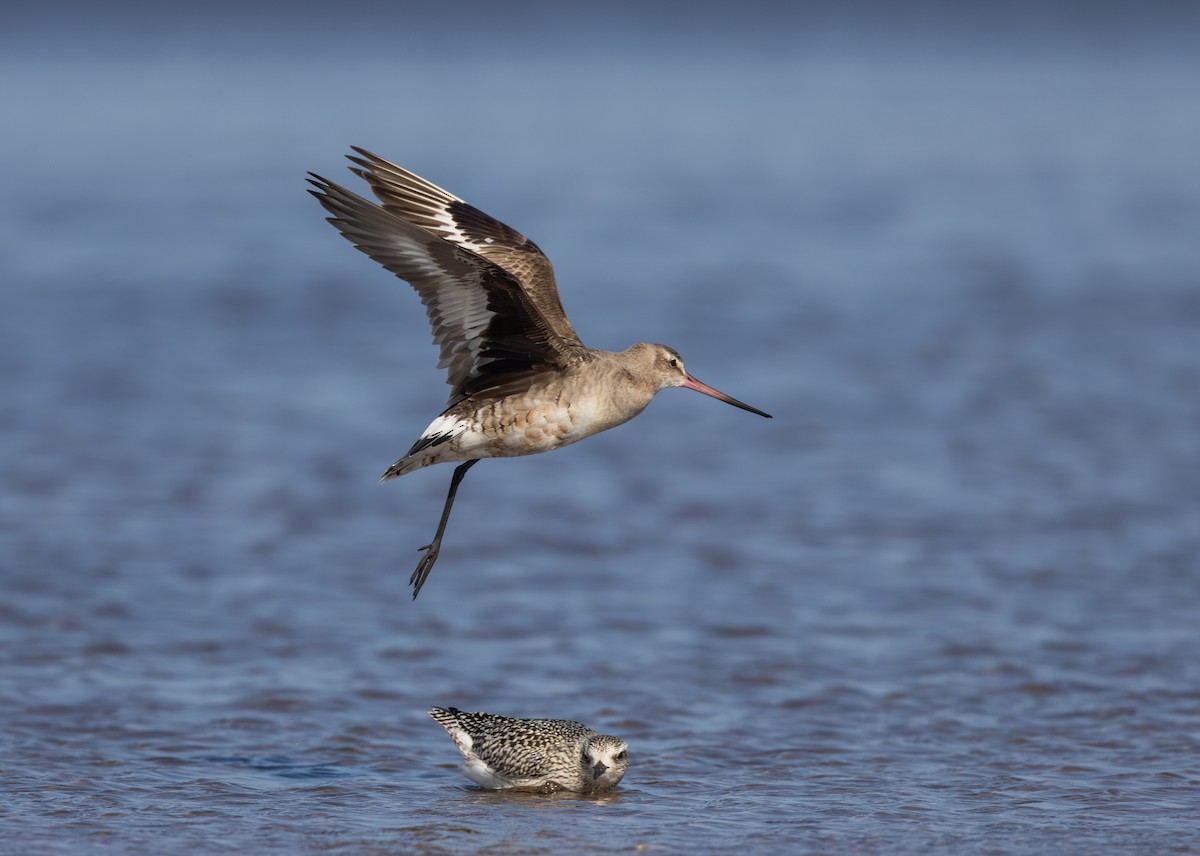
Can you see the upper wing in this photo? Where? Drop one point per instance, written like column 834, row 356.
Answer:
column 487, row 326
column 423, row 204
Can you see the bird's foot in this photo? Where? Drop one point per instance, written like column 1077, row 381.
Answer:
column 423, row 568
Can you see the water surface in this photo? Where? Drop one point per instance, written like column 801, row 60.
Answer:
column 945, row 601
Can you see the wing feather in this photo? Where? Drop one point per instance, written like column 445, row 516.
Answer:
column 435, row 210
column 487, row 327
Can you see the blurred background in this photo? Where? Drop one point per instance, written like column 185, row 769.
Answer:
column 946, row 599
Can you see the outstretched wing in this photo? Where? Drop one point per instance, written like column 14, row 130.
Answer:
column 488, row 327
column 417, row 201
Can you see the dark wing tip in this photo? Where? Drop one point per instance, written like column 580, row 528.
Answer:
column 447, row 717
column 325, row 193
column 323, row 185
column 369, row 156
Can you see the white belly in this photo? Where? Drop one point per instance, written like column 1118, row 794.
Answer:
column 484, row 776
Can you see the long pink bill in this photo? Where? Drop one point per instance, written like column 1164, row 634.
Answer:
column 692, row 383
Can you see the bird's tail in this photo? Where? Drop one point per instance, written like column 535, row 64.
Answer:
column 429, row 449
column 403, row 466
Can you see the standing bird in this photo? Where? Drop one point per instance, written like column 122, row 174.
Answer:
column 521, row 380
column 500, row 752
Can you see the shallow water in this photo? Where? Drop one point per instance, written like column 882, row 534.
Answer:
column 945, row 600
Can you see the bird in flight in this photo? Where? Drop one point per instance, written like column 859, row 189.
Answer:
column 521, row 380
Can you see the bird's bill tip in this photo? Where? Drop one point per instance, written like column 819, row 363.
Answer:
column 691, row 383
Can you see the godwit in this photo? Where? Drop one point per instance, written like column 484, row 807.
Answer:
column 521, row 381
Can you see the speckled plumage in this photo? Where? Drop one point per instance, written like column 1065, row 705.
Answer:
column 502, row 752
column 521, row 380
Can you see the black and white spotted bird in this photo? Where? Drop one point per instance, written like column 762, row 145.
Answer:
column 501, row 752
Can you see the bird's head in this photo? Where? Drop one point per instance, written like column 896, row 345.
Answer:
column 604, row 761
column 664, row 367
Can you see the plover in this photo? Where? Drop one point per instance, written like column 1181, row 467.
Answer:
column 521, row 380
column 500, row 752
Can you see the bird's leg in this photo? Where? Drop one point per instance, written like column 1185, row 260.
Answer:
column 431, row 550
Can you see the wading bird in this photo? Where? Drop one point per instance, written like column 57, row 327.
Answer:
column 521, row 380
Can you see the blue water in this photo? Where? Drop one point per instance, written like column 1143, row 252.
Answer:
column 945, row 601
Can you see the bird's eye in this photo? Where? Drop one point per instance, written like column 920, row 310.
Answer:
column 621, row 755
column 674, row 363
